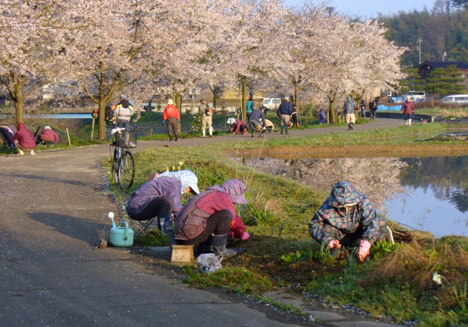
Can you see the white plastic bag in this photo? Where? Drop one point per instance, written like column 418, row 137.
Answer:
column 209, row 262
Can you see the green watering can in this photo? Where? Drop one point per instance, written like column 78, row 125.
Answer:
column 120, row 235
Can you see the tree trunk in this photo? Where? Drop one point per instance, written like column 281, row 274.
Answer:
column 178, row 104
column 18, row 98
column 332, row 110
column 244, row 97
column 102, row 108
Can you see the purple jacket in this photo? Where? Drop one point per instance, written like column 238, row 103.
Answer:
column 191, row 221
column 161, row 186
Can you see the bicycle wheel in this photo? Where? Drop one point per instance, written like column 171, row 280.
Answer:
column 126, row 172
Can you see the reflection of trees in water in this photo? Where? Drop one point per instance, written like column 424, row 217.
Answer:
column 447, row 177
column 375, row 177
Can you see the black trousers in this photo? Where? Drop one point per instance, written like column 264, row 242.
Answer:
column 218, row 223
column 161, row 205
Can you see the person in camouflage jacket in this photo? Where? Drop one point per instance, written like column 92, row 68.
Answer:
column 347, row 218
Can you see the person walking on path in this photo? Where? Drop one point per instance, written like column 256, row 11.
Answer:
column 373, row 106
column 348, row 218
column 294, row 117
column 24, row 140
column 8, row 132
column 362, row 105
column 48, row 136
column 407, row 108
column 207, row 117
column 208, row 217
column 284, row 113
column 172, row 117
column 349, row 110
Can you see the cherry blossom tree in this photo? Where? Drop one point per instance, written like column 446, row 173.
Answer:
column 31, row 34
column 112, row 46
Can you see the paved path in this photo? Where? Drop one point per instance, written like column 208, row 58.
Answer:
column 51, row 207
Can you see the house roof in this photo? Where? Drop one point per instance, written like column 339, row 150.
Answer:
column 444, row 64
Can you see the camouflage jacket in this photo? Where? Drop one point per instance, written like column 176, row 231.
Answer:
column 345, row 209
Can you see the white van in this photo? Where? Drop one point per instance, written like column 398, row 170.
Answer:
column 456, row 98
column 415, row 95
column 271, row 103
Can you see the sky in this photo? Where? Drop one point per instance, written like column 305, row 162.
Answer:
column 370, row 8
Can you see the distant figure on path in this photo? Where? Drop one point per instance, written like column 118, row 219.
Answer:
column 407, row 108
column 284, row 113
column 257, row 121
column 294, row 117
column 373, row 106
column 350, row 115
column 322, row 117
column 24, row 140
column 207, row 117
column 123, row 113
column 172, row 117
column 362, row 105
column 238, row 127
column 48, row 136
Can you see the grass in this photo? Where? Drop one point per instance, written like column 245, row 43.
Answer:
column 395, row 282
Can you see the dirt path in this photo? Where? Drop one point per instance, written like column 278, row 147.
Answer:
column 52, row 206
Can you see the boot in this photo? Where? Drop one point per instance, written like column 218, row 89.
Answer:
column 176, row 137
column 287, row 131
column 203, row 132
column 164, row 221
column 409, row 122
column 219, row 246
column 211, row 132
column 170, row 138
column 349, row 127
column 205, row 247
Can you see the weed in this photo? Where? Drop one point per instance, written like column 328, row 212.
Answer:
column 153, row 238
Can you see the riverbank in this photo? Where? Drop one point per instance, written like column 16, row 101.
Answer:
column 395, row 284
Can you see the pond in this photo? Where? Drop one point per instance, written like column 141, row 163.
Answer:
column 429, row 194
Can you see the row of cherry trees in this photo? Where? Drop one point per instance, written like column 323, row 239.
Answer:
column 168, row 46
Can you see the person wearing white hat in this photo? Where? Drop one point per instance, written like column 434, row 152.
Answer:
column 207, row 117
column 172, row 118
column 161, row 196
column 48, row 136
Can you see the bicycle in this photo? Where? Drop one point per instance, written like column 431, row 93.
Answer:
column 123, row 162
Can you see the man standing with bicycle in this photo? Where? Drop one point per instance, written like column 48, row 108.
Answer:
column 123, row 113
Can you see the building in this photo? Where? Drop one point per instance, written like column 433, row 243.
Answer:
column 425, row 68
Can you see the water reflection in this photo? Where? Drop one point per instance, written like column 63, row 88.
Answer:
column 429, row 194
column 375, row 177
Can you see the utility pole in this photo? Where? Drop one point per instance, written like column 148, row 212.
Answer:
column 419, row 41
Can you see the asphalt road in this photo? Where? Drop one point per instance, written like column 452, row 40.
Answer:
column 51, row 208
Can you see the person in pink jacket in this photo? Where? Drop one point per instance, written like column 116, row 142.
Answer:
column 48, row 136
column 210, row 216
column 24, row 140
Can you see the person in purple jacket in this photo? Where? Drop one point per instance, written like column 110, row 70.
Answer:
column 207, row 217
column 161, row 196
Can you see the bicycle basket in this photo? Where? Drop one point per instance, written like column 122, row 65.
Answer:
column 126, row 140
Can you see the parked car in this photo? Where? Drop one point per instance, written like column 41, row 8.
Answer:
column 398, row 99
column 456, row 98
column 271, row 103
column 415, row 95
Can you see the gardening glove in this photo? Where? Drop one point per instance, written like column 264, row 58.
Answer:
column 178, row 120
column 335, row 244
column 245, row 237
column 364, row 248
column 163, row 122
